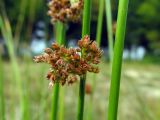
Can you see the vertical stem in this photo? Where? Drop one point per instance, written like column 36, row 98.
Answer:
column 55, row 102
column 7, row 34
column 60, row 35
column 32, row 9
column 62, row 41
column 43, row 104
column 2, row 103
column 81, row 97
column 85, row 31
column 26, row 90
column 98, row 40
column 63, row 31
column 100, row 22
column 117, row 59
column 61, row 106
column 20, row 21
column 86, row 18
column 109, row 28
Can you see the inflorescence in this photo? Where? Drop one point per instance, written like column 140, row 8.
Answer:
column 68, row 63
column 64, row 11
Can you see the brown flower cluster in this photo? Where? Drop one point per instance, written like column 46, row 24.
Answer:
column 63, row 10
column 68, row 64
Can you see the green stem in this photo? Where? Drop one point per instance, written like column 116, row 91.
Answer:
column 61, row 106
column 63, row 31
column 117, row 59
column 26, row 91
column 81, row 97
column 109, row 28
column 100, row 22
column 20, row 21
column 43, row 95
column 55, row 102
column 86, row 18
column 7, row 34
column 85, row 31
column 98, row 40
column 60, row 35
column 2, row 103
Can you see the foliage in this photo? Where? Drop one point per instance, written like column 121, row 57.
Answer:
column 144, row 24
column 141, row 14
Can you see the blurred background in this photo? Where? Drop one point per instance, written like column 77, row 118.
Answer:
column 26, row 30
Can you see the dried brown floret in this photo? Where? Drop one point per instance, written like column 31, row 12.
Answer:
column 88, row 89
column 64, row 11
column 67, row 64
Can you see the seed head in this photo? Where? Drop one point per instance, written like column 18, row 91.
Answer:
column 64, row 11
column 67, row 64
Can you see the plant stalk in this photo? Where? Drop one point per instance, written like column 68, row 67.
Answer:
column 61, row 106
column 85, row 31
column 86, row 17
column 109, row 28
column 60, row 35
column 55, row 102
column 117, row 59
column 7, row 34
column 98, row 40
column 2, row 99
column 20, row 22
column 100, row 22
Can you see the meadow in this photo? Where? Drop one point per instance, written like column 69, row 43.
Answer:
column 139, row 92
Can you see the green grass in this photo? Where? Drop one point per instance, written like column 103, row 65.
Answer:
column 7, row 35
column 145, row 77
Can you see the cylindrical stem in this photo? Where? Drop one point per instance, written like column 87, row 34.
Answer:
column 86, row 18
column 55, row 101
column 117, row 59
column 7, row 34
column 2, row 102
column 109, row 28
column 85, row 31
column 100, row 22
column 81, row 98
column 98, row 40
column 60, row 35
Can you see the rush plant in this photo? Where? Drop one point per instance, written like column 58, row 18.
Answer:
column 85, row 31
column 117, row 59
column 7, row 35
column 60, row 12
column 2, row 99
column 60, row 30
column 109, row 28
column 98, row 40
column 67, row 64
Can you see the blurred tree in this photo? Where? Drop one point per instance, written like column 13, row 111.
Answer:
column 148, row 12
column 144, row 24
column 32, row 10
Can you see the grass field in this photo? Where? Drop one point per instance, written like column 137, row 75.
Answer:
column 139, row 95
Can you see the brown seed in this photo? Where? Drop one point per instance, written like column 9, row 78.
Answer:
column 88, row 89
column 67, row 64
